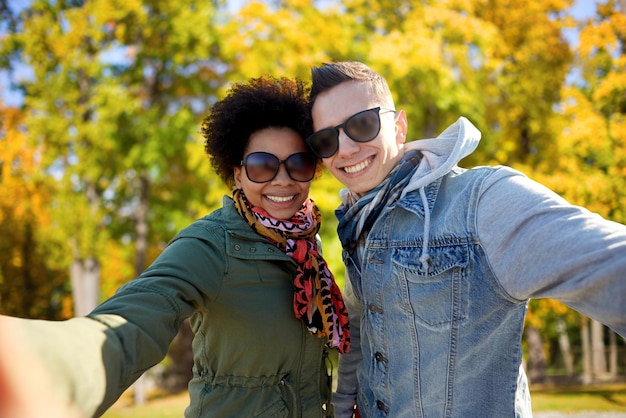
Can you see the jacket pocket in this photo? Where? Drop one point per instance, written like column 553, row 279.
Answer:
column 437, row 296
column 277, row 410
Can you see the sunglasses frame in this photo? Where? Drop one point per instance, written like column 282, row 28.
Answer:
column 244, row 163
column 378, row 110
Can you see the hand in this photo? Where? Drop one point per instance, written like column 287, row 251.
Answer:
column 26, row 388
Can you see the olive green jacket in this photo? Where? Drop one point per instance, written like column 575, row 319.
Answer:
column 252, row 357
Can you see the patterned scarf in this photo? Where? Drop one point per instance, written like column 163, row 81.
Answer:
column 357, row 214
column 317, row 301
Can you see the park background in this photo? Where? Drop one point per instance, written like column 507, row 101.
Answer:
column 101, row 161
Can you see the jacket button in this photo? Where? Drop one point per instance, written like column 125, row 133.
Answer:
column 381, row 406
column 270, row 249
column 252, row 249
column 375, row 308
column 237, row 247
column 379, row 356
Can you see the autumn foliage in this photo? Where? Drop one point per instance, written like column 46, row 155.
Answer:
column 102, row 162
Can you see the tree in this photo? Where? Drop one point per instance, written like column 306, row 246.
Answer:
column 118, row 89
column 548, row 320
column 31, row 285
column 116, row 113
column 533, row 60
column 588, row 166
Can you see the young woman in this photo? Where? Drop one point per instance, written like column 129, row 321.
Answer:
column 261, row 300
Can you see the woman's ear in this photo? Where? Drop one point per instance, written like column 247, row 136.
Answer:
column 237, row 173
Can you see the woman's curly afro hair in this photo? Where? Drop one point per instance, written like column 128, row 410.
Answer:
column 264, row 102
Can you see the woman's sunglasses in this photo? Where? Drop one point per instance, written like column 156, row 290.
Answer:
column 263, row 166
column 360, row 127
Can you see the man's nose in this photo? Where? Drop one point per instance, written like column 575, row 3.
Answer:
column 346, row 145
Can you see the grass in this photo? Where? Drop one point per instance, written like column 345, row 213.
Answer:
column 157, row 406
column 568, row 399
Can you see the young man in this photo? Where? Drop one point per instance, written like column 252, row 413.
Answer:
column 442, row 261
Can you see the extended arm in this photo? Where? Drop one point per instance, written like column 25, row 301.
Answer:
column 540, row 246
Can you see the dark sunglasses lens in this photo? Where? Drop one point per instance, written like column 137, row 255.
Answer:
column 301, row 166
column 324, row 143
column 261, row 167
column 363, row 126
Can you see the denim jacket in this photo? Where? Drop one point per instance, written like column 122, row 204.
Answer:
column 443, row 339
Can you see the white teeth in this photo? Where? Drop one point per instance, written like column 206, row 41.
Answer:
column 356, row 168
column 280, row 199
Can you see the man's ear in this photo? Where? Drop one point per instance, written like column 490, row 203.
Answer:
column 401, row 127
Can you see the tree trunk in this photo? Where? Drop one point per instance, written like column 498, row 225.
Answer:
column 584, row 336
column 598, row 358
column 536, row 356
column 141, row 249
column 85, row 279
column 180, row 369
column 85, row 270
column 612, row 355
column 565, row 347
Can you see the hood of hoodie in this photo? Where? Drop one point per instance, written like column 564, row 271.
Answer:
column 442, row 153
column 439, row 156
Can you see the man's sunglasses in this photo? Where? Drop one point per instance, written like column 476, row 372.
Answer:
column 360, row 127
column 263, row 166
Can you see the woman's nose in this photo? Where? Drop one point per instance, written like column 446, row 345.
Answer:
column 282, row 176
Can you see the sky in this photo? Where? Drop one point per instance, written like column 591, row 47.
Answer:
column 581, row 10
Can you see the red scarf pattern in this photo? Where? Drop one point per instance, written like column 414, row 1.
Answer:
column 317, row 300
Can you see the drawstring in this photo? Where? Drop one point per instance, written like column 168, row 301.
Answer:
column 291, row 393
column 425, row 255
column 328, row 367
